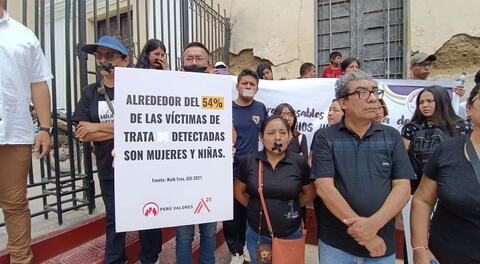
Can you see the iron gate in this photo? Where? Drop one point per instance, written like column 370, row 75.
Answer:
column 64, row 180
column 372, row 31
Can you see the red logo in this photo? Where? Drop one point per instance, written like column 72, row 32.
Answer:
column 150, row 209
column 202, row 204
column 256, row 119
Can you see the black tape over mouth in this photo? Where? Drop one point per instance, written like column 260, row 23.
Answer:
column 277, row 147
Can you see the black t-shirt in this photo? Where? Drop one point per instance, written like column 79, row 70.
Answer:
column 299, row 145
column 93, row 107
column 281, row 188
column 363, row 170
column 456, row 220
column 247, row 121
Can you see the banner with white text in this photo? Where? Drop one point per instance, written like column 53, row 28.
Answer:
column 311, row 99
column 173, row 148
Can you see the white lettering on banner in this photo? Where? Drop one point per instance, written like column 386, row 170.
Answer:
column 174, row 152
column 173, row 139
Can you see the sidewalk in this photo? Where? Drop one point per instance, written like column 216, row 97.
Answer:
column 41, row 226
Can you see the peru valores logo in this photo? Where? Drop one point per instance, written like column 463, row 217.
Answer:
column 150, row 209
column 203, row 204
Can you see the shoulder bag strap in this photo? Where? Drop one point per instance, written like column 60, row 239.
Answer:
column 472, row 154
column 101, row 90
column 262, row 199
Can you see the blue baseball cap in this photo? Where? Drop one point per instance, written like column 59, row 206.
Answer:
column 106, row 41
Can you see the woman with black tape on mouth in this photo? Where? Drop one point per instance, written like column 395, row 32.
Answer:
column 286, row 187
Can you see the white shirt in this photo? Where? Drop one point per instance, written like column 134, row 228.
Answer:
column 22, row 62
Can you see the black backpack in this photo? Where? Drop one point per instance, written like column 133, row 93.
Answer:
column 424, row 142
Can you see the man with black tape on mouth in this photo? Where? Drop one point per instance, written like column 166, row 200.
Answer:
column 94, row 117
column 109, row 53
column 195, row 58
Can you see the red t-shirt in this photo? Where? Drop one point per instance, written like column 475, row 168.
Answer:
column 329, row 72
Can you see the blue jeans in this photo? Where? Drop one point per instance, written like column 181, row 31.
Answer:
column 252, row 241
column 331, row 255
column 208, row 240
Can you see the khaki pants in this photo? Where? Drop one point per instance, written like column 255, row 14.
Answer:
column 14, row 166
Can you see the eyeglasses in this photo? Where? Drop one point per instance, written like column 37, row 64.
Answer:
column 198, row 59
column 364, row 94
column 107, row 55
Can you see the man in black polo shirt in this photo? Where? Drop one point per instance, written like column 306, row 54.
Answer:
column 362, row 174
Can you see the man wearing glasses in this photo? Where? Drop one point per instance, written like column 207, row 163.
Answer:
column 195, row 59
column 94, row 118
column 362, row 174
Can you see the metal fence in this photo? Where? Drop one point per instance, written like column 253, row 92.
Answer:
column 372, row 31
column 64, row 180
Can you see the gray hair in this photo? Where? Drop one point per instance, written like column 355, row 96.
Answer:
column 341, row 85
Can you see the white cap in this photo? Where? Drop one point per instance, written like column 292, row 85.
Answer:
column 220, row 64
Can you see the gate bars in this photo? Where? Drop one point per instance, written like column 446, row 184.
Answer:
column 64, row 180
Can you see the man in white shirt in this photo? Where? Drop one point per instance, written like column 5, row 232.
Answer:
column 24, row 75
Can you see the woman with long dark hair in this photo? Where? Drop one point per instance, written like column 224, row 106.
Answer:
column 153, row 56
column 451, row 181
column 298, row 143
column 264, row 71
column 434, row 120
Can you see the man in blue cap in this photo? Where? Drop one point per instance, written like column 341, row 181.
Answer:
column 94, row 117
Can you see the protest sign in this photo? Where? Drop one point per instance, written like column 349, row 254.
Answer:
column 173, row 145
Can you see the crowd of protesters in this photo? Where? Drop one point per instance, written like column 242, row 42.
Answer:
column 359, row 172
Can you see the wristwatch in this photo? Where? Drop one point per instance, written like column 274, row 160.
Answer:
column 46, row 129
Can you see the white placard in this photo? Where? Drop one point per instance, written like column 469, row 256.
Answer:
column 173, row 145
